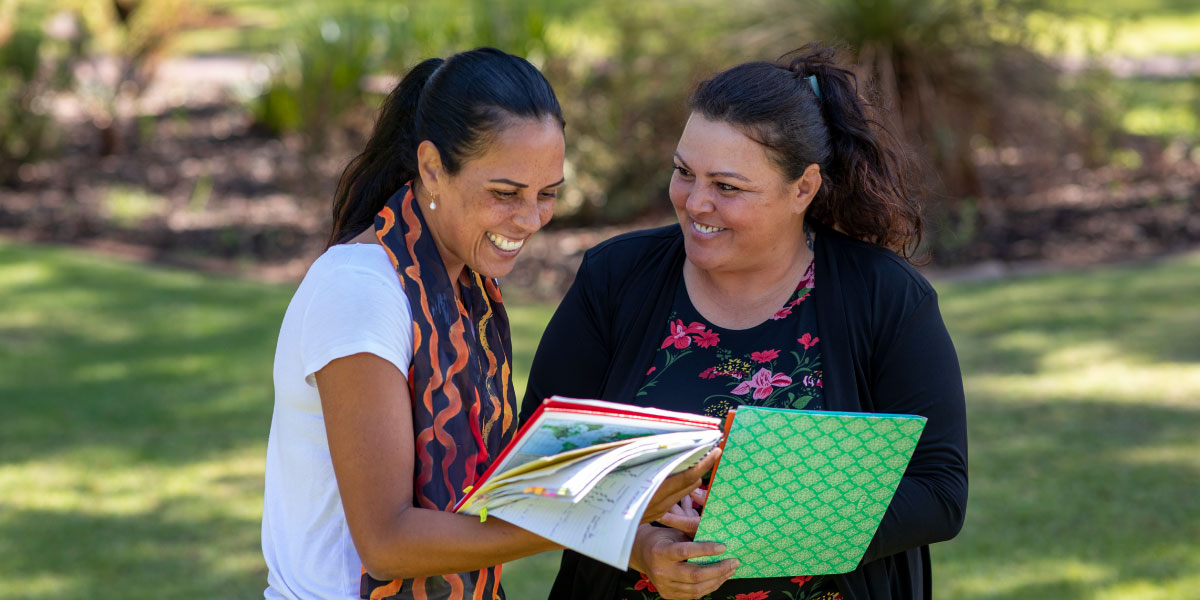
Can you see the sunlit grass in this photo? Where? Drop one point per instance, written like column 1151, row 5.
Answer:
column 136, row 404
column 1116, row 31
column 1084, row 401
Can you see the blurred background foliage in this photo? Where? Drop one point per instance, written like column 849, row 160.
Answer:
column 980, row 88
column 210, row 133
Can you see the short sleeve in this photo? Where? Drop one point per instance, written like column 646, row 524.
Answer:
column 355, row 311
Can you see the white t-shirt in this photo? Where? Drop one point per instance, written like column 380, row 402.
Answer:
column 350, row 302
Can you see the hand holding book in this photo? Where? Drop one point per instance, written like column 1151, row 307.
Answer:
column 586, row 473
column 679, row 487
column 662, row 553
column 797, row 492
column 685, row 515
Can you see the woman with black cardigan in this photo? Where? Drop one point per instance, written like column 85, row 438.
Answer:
column 779, row 287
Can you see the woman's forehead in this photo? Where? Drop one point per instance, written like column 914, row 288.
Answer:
column 721, row 146
column 530, row 151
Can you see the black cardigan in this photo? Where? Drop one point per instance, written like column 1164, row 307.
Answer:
column 884, row 347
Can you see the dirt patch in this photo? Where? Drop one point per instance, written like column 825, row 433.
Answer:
column 198, row 186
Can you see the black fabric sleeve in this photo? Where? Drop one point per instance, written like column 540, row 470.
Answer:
column 919, row 374
column 573, row 356
column 573, row 359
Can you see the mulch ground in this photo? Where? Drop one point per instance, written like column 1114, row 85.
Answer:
column 196, row 185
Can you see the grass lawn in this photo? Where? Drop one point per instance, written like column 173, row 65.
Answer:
column 136, row 402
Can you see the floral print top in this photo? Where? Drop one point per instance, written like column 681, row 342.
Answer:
column 702, row 368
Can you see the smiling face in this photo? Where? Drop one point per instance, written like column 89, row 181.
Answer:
column 737, row 211
column 489, row 208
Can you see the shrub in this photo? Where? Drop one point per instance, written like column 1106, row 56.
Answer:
column 623, row 73
column 321, row 85
column 137, row 34
column 33, row 66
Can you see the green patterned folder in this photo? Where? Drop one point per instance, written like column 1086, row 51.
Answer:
column 802, row 492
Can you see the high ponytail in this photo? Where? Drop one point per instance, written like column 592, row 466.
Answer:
column 458, row 104
column 806, row 109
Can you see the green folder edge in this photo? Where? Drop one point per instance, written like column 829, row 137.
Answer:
column 734, row 547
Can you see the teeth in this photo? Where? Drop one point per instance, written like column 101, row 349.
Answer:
column 706, row 228
column 504, row 243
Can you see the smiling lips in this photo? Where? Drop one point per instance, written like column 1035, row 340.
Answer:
column 705, row 228
column 504, row 243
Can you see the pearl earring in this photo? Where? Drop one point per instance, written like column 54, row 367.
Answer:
column 432, row 201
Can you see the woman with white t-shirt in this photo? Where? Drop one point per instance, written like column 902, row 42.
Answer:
column 393, row 388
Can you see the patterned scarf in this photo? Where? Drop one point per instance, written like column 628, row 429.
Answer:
column 460, row 381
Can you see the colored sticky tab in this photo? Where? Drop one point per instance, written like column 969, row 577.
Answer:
column 467, row 490
column 482, row 514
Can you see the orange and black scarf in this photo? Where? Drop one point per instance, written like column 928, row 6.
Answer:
column 461, row 384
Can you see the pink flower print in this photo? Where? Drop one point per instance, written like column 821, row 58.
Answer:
column 764, row 356
column 652, row 369
column 680, row 337
column 707, row 338
column 797, row 301
column 761, row 383
column 810, row 276
column 708, row 373
column 783, row 312
column 811, row 381
column 807, row 340
column 801, row 579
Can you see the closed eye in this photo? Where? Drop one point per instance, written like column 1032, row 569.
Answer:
column 683, row 172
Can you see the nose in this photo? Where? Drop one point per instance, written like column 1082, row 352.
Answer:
column 528, row 217
column 699, row 201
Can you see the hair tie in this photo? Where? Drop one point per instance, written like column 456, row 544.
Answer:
column 812, row 80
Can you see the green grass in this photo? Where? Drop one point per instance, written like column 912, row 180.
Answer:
column 135, row 408
column 1120, row 34
column 1083, row 397
column 1167, row 109
column 136, row 402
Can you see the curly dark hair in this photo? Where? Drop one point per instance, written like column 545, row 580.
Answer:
column 868, row 188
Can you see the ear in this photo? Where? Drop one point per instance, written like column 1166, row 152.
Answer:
column 429, row 167
column 804, row 189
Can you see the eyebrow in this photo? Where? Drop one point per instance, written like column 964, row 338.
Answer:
column 525, row 185
column 732, row 174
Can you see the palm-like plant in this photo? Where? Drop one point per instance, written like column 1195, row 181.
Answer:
column 952, row 74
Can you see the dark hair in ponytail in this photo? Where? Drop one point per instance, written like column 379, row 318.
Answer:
column 867, row 188
column 459, row 104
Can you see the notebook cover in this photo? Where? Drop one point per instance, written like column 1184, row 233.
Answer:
column 802, row 492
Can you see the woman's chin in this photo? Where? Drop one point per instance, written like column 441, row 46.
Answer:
column 495, row 269
column 701, row 258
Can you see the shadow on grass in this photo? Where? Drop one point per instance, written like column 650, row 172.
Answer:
column 164, row 553
column 136, row 401
column 1010, row 327
column 169, row 366
column 1063, row 482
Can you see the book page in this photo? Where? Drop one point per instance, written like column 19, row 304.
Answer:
column 571, row 480
column 603, row 524
column 554, row 434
